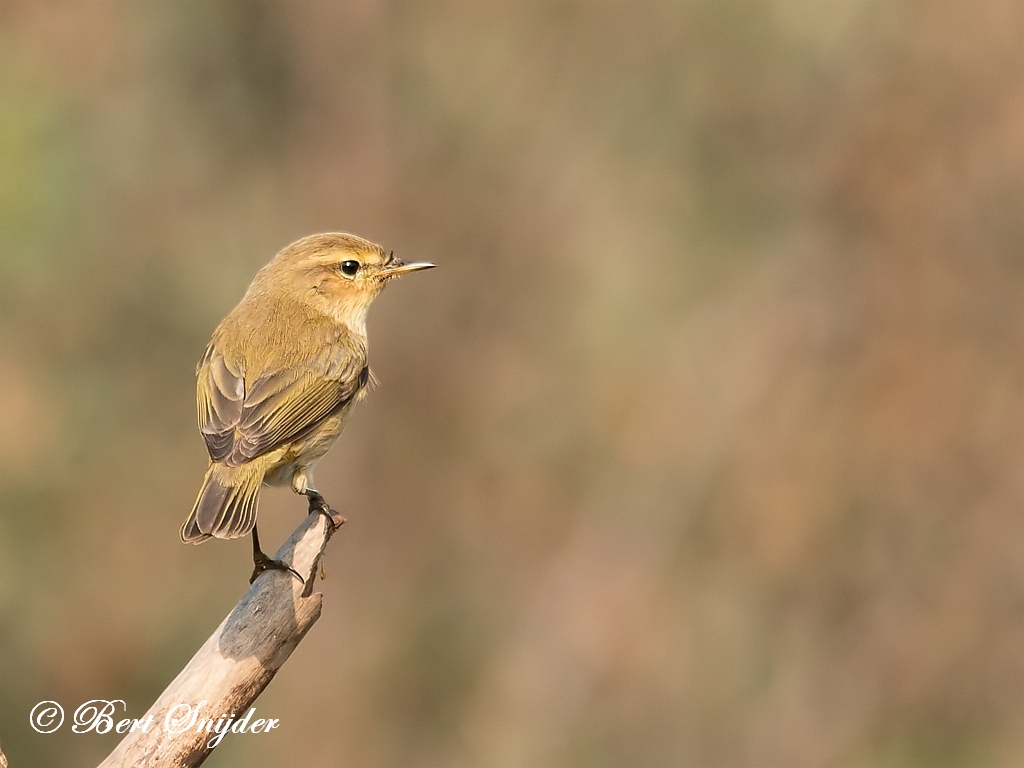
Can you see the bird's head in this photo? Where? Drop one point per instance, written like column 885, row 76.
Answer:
column 337, row 273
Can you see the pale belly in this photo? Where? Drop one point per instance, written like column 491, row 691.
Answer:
column 293, row 463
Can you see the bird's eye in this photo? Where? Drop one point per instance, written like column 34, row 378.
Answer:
column 350, row 267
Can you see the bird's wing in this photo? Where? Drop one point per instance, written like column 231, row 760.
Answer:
column 242, row 420
column 220, row 392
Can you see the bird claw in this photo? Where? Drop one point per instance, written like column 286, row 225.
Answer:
column 270, row 564
column 318, row 505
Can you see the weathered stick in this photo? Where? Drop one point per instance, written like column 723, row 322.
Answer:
column 234, row 665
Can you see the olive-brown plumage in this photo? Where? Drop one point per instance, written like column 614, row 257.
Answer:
column 281, row 374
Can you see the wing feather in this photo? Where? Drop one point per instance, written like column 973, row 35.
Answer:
column 241, row 420
column 220, row 393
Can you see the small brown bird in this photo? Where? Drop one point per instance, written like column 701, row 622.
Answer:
column 279, row 378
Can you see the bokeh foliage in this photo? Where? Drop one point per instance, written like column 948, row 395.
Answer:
column 702, row 447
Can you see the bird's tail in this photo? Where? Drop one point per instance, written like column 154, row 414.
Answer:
column 227, row 503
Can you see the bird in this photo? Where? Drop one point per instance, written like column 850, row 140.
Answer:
column 279, row 378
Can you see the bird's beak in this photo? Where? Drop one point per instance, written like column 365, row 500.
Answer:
column 396, row 267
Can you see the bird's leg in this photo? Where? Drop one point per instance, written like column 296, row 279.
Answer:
column 262, row 562
column 318, row 505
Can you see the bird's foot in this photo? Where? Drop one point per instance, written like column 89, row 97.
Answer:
column 262, row 562
column 317, row 505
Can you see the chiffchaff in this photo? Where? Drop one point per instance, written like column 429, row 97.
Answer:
column 280, row 376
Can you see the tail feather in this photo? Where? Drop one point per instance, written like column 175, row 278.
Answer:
column 227, row 504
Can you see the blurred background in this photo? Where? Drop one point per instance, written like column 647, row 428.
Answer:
column 703, row 447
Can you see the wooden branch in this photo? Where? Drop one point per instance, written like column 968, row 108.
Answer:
column 234, row 665
column 3, row 759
